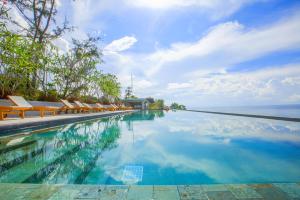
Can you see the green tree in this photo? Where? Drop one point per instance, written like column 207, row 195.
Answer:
column 107, row 86
column 16, row 63
column 157, row 105
column 176, row 106
column 41, row 28
column 75, row 71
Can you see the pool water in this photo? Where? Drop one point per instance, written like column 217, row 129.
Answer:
column 155, row 147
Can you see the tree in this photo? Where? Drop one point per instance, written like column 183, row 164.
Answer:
column 75, row 70
column 157, row 105
column 176, row 106
column 41, row 28
column 108, row 86
column 16, row 63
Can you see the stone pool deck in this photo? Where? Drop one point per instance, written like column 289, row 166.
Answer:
column 275, row 191
column 35, row 122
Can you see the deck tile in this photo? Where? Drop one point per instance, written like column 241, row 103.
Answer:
column 165, row 192
column 243, row 191
column 292, row 189
column 114, row 193
column 268, row 192
column 43, row 192
column 217, row 187
column 220, row 195
column 189, row 192
column 77, row 192
column 140, row 192
column 89, row 192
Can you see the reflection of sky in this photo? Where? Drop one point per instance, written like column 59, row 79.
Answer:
column 187, row 148
column 181, row 148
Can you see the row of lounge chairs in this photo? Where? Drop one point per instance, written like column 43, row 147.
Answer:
column 21, row 106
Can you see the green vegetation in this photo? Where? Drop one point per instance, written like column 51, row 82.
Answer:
column 32, row 66
column 157, row 105
column 176, row 106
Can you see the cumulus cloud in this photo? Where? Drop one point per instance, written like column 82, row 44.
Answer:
column 201, row 66
column 121, row 44
column 292, row 80
column 231, row 43
column 216, row 8
column 172, row 86
column 295, row 98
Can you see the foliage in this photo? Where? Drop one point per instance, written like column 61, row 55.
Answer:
column 129, row 93
column 157, row 105
column 31, row 66
column 107, row 85
column 40, row 27
column 16, row 63
column 75, row 70
column 176, row 106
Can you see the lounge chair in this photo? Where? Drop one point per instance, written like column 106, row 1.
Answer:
column 4, row 110
column 115, row 106
column 68, row 106
column 101, row 107
column 110, row 107
column 123, row 107
column 96, row 109
column 82, row 107
column 20, row 102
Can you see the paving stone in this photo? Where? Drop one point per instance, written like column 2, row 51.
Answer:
column 28, row 191
column 292, row 189
column 43, row 192
column 268, row 192
column 191, row 192
column 15, row 194
column 114, row 193
column 165, row 193
column 140, row 192
column 89, row 192
column 4, row 189
column 243, row 191
column 220, row 195
column 75, row 192
column 217, row 187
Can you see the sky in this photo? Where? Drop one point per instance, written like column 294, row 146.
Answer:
column 196, row 52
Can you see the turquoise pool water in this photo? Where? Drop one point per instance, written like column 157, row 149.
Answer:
column 162, row 148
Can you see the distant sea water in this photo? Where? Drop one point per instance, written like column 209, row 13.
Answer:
column 271, row 110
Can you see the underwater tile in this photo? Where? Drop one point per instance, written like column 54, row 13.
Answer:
column 243, row 191
column 216, row 187
column 292, row 189
column 188, row 192
column 165, row 192
column 140, row 192
column 114, row 193
column 220, row 195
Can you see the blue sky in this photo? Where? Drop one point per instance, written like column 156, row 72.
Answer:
column 196, row 52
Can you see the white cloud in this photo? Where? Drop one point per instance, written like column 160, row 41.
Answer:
column 295, row 98
column 174, row 86
column 217, row 8
column 265, row 83
column 292, row 80
column 228, row 44
column 121, row 44
column 203, row 67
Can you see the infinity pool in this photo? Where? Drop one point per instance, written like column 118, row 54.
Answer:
column 160, row 148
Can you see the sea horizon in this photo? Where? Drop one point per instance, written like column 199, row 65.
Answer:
column 278, row 110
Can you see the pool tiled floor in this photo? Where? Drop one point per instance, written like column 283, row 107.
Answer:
column 290, row 191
